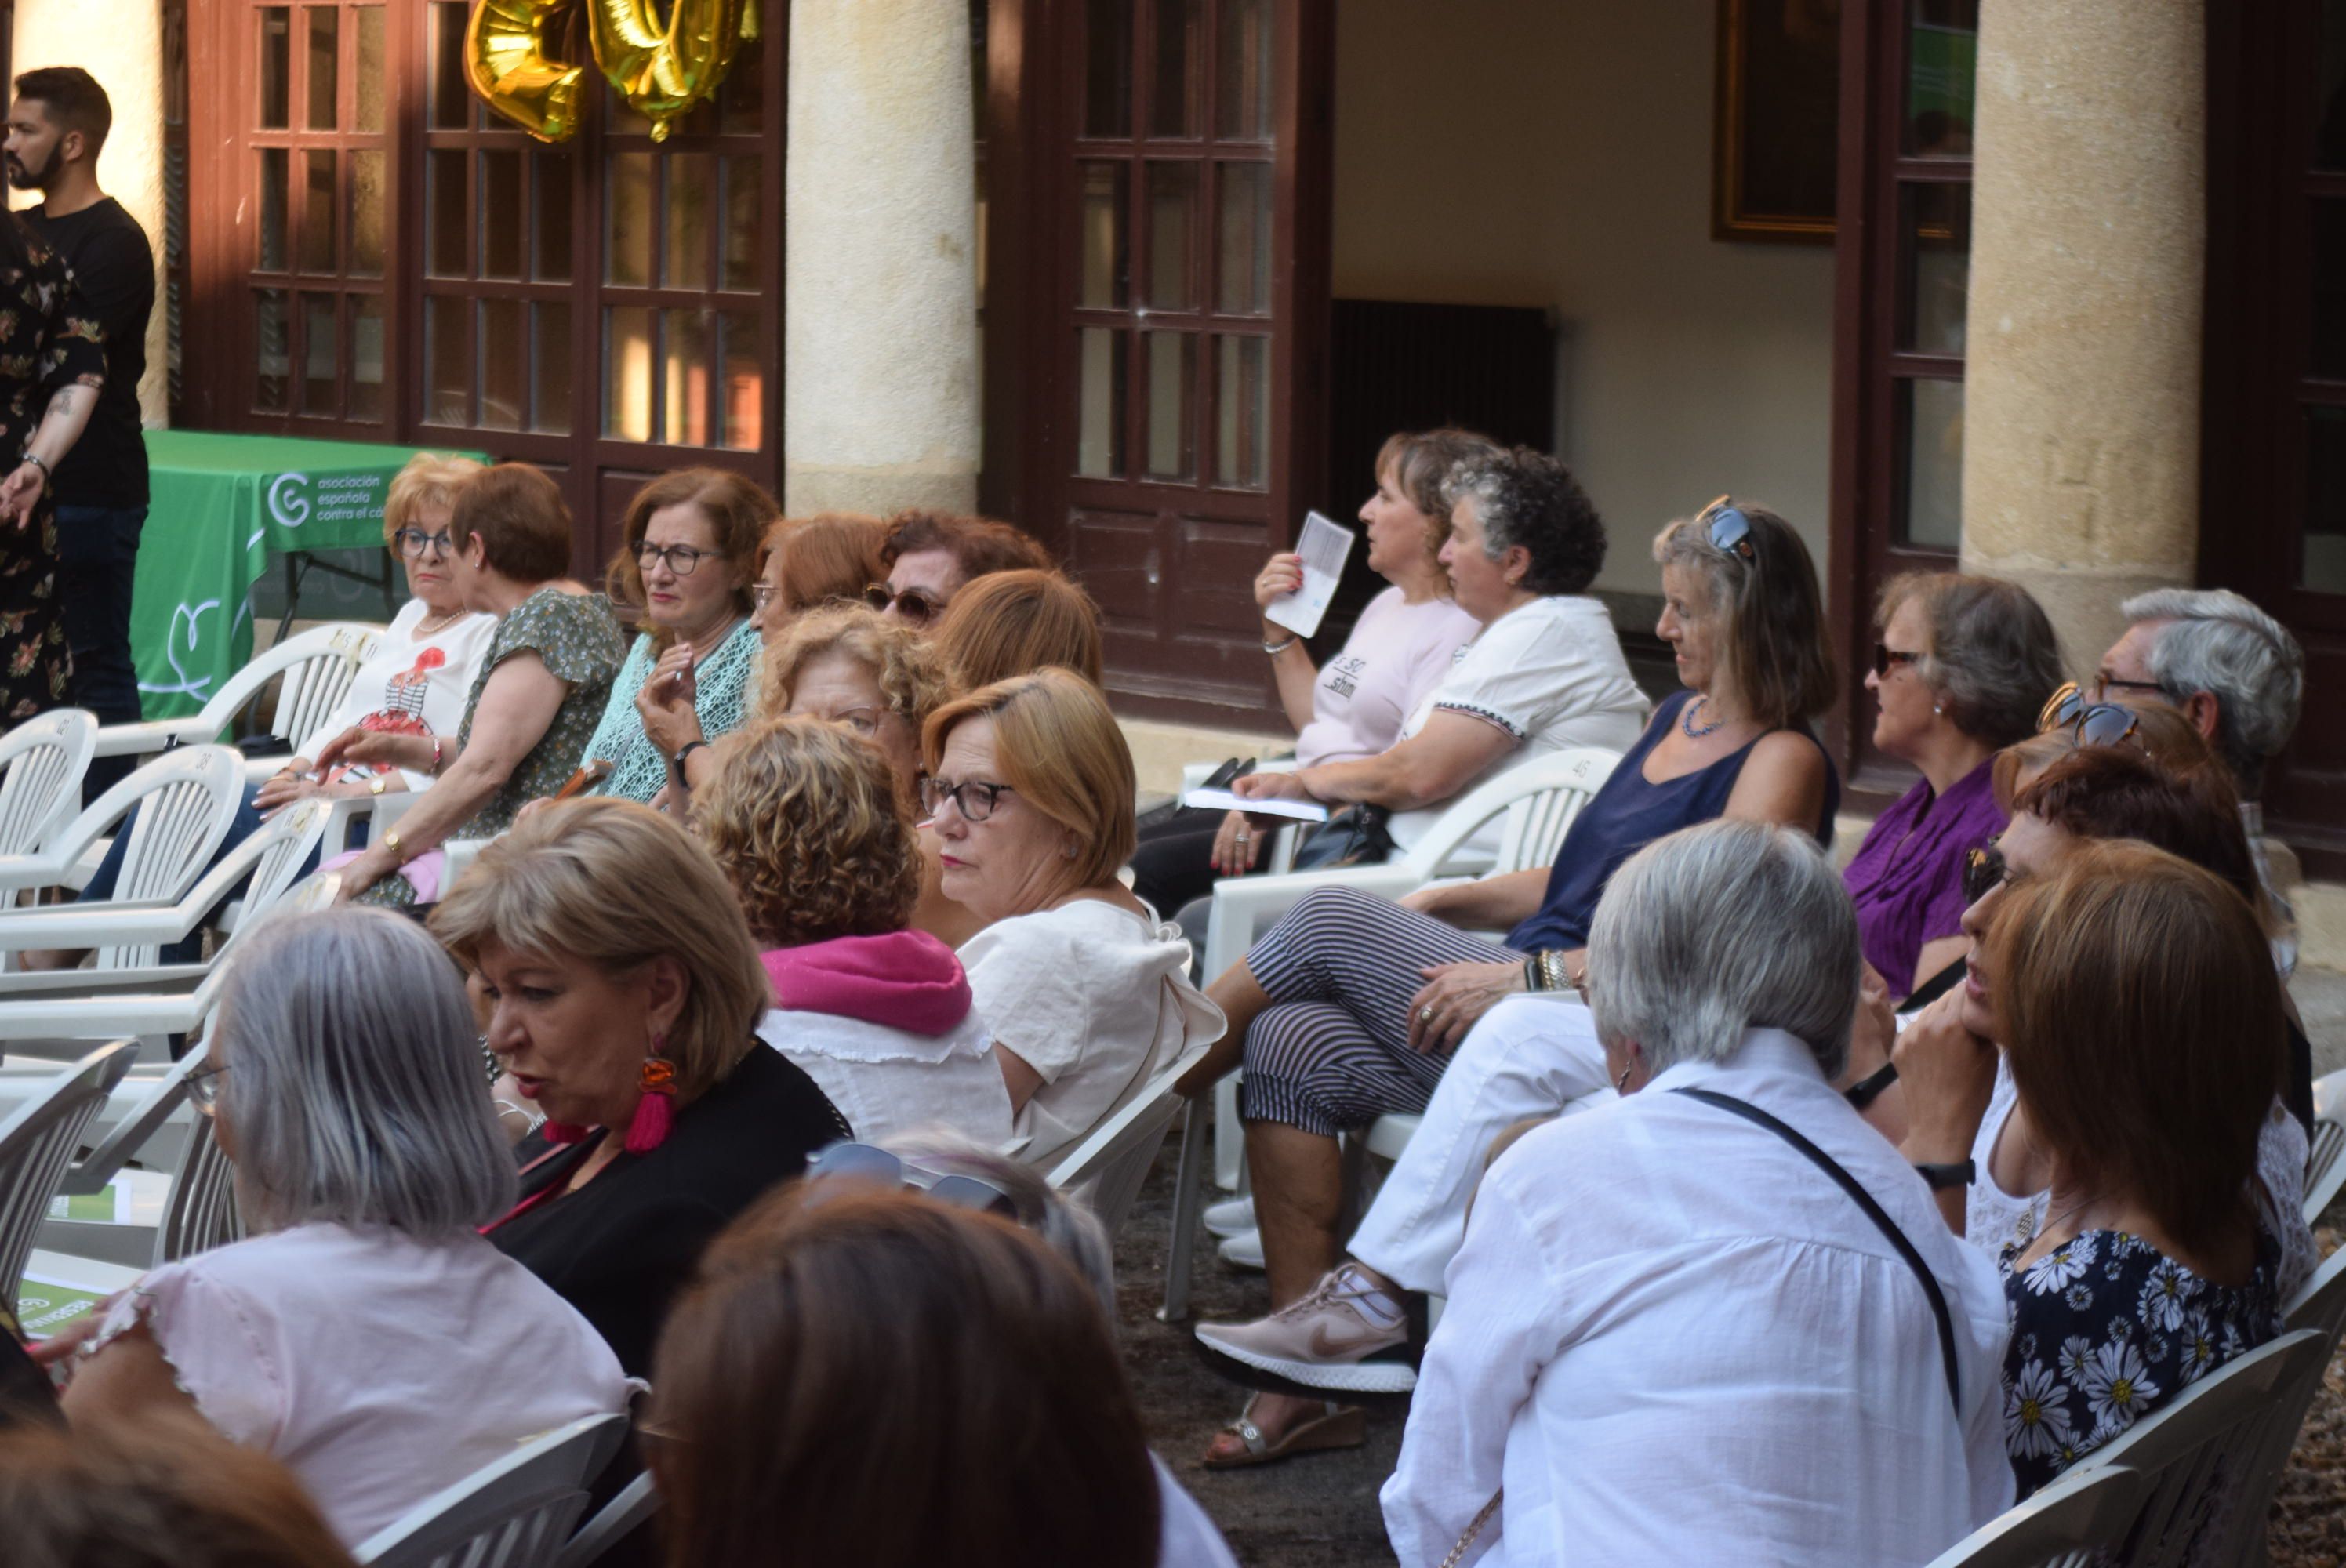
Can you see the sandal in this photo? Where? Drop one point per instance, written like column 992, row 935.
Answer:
column 1341, row 1427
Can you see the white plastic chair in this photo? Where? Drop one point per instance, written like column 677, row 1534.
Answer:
column 38, row 1143
column 2320, row 1301
column 42, row 764
column 628, row 1512
column 2324, row 1171
column 1106, row 1169
column 201, row 1212
column 2213, row 1457
column 316, row 670
column 515, row 1513
column 2068, row 1524
column 187, row 801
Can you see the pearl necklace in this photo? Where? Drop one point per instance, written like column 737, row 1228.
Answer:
column 429, row 627
column 1686, row 719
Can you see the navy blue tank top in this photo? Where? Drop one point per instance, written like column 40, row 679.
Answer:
column 1629, row 813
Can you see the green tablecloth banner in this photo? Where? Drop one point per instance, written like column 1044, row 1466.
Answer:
column 221, row 505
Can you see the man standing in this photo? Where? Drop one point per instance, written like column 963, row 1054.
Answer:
column 56, row 128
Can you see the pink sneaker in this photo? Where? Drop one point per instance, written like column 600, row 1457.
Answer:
column 1345, row 1337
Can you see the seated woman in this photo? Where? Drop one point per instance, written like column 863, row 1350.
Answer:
column 1668, row 1286
column 1015, row 623
column 806, row 823
column 688, row 553
column 1353, row 707
column 2138, row 1006
column 881, row 679
column 869, row 1375
column 811, row 563
column 1085, row 995
column 1544, row 674
column 353, row 1335
column 623, row 990
column 539, row 692
column 1349, row 1007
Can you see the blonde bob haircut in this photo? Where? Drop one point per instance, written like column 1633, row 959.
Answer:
column 428, row 479
column 1057, row 747
column 808, row 822
column 614, row 885
column 911, row 673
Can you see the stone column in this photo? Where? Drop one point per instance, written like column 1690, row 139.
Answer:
column 880, row 403
column 119, row 42
column 2081, row 451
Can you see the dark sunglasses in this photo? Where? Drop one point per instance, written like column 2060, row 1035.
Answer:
column 915, row 605
column 1729, row 530
column 1983, row 871
column 2092, row 723
column 878, row 1168
column 1887, row 658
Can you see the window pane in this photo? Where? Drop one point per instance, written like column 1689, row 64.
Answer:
column 745, row 382
column 741, row 248
column 1941, row 62
column 1242, row 413
column 550, row 190
column 447, row 220
column 627, row 373
column 365, row 312
column 1173, row 105
column 1106, row 261
column 275, row 363
column 549, row 361
column 325, row 58
column 372, row 65
column 1244, row 287
column 619, row 117
column 1243, row 72
column 320, row 356
column 276, row 198
column 318, row 211
column 687, row 361
column 452, row 100
column 1172, row 221
column 1930, row 420
column 2324, row 569
column 1099, row 402
column 447, row 368
column 741, row 101
column 368, row 202
column 502, row 213
column 275, row 108
column 2327, row 351
column 691, row 215
column 1107, row 68
column 1172, row 373
column 628, row 221
column 1935, row 227
column 504, row 359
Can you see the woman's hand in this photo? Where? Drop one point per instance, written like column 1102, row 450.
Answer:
column 289, row 783
column 360, row 744
column 1948, row 1075
column 1283, row 574
column 1453, row 997
column 1270, row 787
column 59, row 1347
column 1237, row 844
column 1873, row 1031
column 373, row 864
column 21, row 491
column 664, row 702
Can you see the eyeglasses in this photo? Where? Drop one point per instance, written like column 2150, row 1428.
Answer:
column 878, row 1168
column 203, row 1087
column 761, row 594
column 680, row 559
column 915, row 605
column 2102, row 684
column 413, row 542
column 973, row 800
column 1730, row 530
column 2093, row 723
column 1983, row 871
column 1887, row 658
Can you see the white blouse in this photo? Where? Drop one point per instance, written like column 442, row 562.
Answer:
column 888, row 1081
column 413, row 685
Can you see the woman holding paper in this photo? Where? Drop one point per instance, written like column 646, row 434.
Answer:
column 1354, row 706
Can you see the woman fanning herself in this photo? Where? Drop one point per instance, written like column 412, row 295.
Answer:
column 1347, row 1010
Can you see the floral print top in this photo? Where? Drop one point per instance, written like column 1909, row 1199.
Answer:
column 721, row 684
column 2105, row 1328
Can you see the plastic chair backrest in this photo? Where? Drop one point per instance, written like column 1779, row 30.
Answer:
column 2211, row 1456
column 315, row 670
column 37, row 1145
column 201, row 1212
column 42, row 763
column 629, row 1510
column 515, row 1513
column 2068, row 1524
column 1106, row 1169
column 1539, row 798
column 183, row 820
column 2320, row 1302
column 2324, row 1171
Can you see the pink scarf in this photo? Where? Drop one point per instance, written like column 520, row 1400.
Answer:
column 906, row 980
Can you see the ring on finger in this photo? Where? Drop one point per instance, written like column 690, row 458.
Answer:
column 1425, row 1015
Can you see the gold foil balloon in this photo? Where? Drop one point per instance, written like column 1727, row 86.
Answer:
column 506, row 59
column 664, row 71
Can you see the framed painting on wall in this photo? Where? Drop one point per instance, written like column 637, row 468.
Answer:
column 1776, row 122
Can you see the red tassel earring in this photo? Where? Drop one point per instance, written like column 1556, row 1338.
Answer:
column 656, row 1112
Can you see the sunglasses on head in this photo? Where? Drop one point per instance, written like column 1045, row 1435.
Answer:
column 2092, row 723
column 915, row 605
column 878, row 1168
column 1729, row 530
column 1982, row 871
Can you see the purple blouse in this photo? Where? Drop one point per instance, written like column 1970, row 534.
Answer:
column 1907, row 878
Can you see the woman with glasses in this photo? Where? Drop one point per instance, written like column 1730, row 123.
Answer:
column 688, row 555
column 1086, row 995
column 364, row 1333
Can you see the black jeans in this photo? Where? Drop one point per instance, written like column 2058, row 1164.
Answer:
column 97, row 553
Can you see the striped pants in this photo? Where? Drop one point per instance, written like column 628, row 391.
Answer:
column 1332, row 1051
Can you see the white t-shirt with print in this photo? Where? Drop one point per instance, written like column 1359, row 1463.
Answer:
column 1398, row 653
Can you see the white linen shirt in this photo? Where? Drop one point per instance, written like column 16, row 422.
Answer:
column 1675, row 1339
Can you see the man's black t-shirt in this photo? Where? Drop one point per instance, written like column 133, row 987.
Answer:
column 114, row 267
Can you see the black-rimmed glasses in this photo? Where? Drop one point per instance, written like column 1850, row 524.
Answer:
column 680, row 559
column 1729, row 530
column 2103, row 683
column 915, row 605
column 1887, row 658
column 413, row 542
column 975, row 801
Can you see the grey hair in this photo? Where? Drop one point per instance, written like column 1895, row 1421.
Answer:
column 1721, row 928
column 1528, row 498
column 1994, row 657
column 354, row 1092
column 2218, row 642
column 1073, row 1232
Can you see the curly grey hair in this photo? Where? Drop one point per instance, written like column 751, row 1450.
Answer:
column 1528, row 498
column 2220, row 643
column 1992, row 657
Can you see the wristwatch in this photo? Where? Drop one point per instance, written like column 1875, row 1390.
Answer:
column 378, row 784
column 390, row 843
column 1868, row 1089
column 1963, row 1173
column 683, row 751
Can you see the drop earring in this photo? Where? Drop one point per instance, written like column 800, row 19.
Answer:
column 656, row 1111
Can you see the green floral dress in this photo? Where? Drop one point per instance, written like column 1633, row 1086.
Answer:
column 579, row 640
column 50, row 341
column 721, row 680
